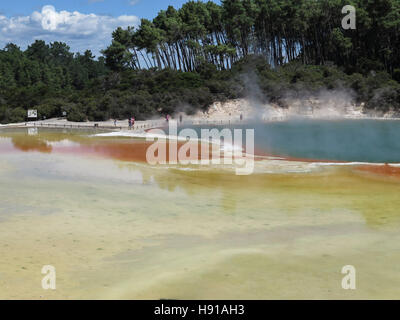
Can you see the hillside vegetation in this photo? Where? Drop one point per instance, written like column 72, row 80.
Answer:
column 187, row 58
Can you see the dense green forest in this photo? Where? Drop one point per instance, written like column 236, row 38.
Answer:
column 187, row 58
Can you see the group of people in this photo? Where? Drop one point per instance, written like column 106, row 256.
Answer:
column 131, row 120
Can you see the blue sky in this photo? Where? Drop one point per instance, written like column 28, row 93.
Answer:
column 82, row 24
column 141, row 8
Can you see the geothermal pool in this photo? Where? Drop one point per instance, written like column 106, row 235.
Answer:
column 376, row 141
column 115, row 227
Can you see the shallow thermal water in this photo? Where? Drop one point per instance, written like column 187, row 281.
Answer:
column 116, row 227
column 336, row 140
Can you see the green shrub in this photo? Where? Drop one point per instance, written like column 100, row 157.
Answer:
column 18, row 115
column 76, row 115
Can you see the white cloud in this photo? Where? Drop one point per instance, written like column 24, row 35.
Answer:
column 80, row 31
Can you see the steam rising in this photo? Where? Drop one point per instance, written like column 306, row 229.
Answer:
column 320, row 104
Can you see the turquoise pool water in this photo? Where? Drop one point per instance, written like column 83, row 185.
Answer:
column 337, row 140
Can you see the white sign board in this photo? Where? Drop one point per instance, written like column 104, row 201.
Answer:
column 32, row 113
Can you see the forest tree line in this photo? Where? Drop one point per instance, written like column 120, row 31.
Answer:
column 309, row 31
column 187, row 58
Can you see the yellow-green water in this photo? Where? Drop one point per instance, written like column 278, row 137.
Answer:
column 119, row 229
